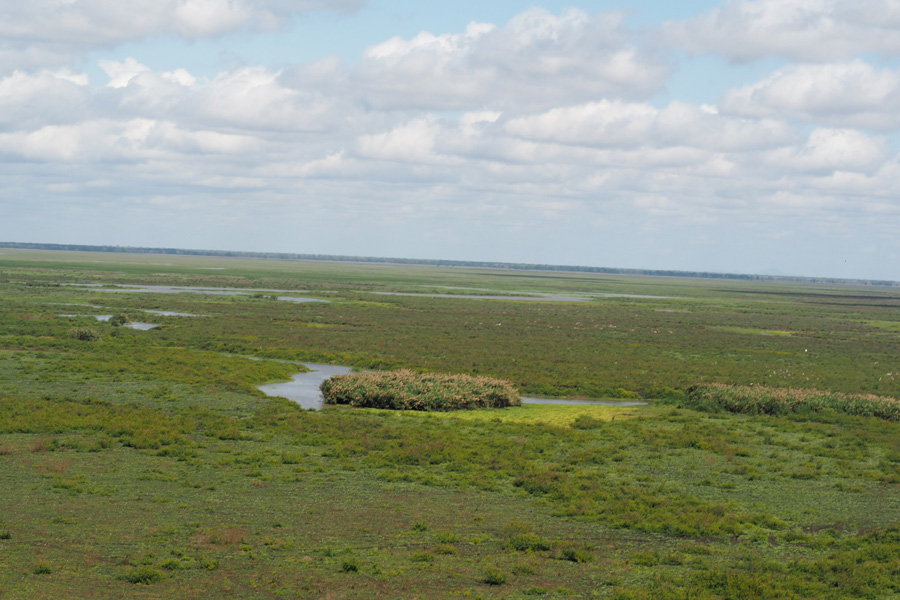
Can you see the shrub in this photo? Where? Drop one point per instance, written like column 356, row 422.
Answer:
column 535, row 591
column 407, row 390
column 422, row 557
column 350, row 565
column 494, row 576
column 525, row 542
column 118, row 320
column 141, row 575
column 84, row 334
column 586, row 422
column 760, row 399
column 446, row 537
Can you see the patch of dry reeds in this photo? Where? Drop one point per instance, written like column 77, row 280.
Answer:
column 758, row 399
column 408, row 390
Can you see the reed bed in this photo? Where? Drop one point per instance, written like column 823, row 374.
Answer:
column 405, row 389
column 758, row 399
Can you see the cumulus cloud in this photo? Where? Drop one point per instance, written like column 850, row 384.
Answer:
column 833, row 150
column 537, row 58
column 847, row 94
column 48, row 33
column 549, row 118
column 117, row 141
column 616, row 124
column 44, row 98
column 808, row 30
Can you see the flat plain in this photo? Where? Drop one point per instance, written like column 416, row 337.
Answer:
column 146, row 464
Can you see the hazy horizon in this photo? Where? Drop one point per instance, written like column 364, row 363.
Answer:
column 412, row 261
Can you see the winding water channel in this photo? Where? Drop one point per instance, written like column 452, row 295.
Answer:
column 303, row 388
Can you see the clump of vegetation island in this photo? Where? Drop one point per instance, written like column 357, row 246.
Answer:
column 760, row 399
column 405, row 389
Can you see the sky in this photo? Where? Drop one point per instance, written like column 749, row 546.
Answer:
column 737, row 136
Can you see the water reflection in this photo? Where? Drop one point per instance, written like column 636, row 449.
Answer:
column 303, row 388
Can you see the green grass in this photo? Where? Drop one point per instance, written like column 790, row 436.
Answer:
column 144, row 464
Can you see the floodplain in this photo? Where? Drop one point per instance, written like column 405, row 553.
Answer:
column 147, row 464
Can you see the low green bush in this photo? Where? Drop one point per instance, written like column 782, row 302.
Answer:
column 350, row 565
column 143, row 575
column 528, row 542
column 84, row 334
column 407, row 390
column 494, row 576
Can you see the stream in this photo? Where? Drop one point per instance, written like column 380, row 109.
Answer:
column 303, row 388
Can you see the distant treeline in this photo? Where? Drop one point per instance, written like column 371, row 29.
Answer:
column 444, row 263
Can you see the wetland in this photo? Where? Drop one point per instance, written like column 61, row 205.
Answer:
column 149, row 464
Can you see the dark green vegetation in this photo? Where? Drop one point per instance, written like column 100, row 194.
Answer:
column 144, row 464
column 407, row 390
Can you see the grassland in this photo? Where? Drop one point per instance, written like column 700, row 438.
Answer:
column 145, row 464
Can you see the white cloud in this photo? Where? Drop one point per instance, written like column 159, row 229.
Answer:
column 809, row 30
column 181, row 77
column 34, row 100
column 120, row 73
column 537, row 59
column 830, row 150
column 549, row 121
column 256, row 98
column 204, row 18
column 848, row 94
column 106, row 140
column 616, row 124
column 604, row 123
column 55, row 32
column 411, row 143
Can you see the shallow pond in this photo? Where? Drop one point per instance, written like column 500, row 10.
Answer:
column 106, row 318
column 528, row 297
column 303, row 389
column 176, row 289
column 130, row 325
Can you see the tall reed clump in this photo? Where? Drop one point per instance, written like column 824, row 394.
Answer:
column 407, row 390
column 758, row 399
